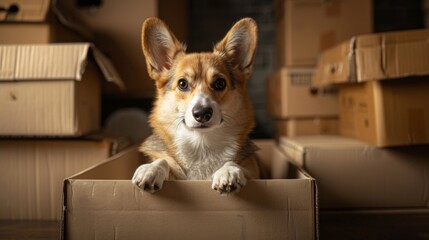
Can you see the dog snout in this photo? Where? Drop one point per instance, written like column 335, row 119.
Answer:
column 202, row 114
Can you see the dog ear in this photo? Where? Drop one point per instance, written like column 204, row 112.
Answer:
column 239, row 46
column 160, row 47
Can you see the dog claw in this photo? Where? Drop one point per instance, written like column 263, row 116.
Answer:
column 146, row 187
column 150, row 177
column 228, row 179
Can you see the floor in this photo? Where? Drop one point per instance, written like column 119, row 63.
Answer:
column 374, row 226
column 343, row 226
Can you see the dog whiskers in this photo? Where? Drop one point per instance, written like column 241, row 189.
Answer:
column 228, row 119
column 177, row 121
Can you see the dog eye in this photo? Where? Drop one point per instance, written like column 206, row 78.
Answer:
column 183, row 84
column 219, row 84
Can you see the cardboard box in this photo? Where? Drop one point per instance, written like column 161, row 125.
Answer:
column 115, row 28
column 265, row 154
column 102, row 202
column 306, row 28
column 32, row 172
column 33, row 23
column 375, row 57
column 386, row 113
column 306, row 126
column 24, row 10
column 51, row 89
column 290, row 95
column 354, row 174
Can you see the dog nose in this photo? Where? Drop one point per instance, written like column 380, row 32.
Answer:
column 202, row 114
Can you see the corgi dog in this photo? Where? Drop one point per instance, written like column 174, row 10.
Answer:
column 202, row 116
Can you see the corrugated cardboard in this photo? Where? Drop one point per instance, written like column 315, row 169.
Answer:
column 354, row 174
column 306, row 126
column 115, row 28
column 33, row 23
column 375, row 57
column 51, row 89
column 305, row 28
column 386, row 113
column 102, row 203
column 32, row 171
column 290, row 95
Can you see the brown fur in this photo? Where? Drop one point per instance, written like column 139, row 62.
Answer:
column 168, row 63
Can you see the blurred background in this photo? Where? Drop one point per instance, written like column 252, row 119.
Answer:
column 200, row 24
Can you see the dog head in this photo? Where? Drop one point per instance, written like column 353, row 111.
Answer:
column 200, row 92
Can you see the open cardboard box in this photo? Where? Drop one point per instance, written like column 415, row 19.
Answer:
column 52, row 89
column 102, row 203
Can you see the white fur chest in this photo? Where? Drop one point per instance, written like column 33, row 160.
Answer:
column 203, row 153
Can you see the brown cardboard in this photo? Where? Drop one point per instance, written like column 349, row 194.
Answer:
column 34, row 23
column 102, row 203
column 115, row 28
column 28, row 10
column 32, row 171
column 51, row 89
column 386, row 113
column 290, row 95
column 305, row 28
column 352, row 174
column 265, row 154
column 375, row 57
column 306, row 126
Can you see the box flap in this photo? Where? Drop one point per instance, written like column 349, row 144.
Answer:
column 114, row 167
column 23, row 10
column 106, row 66
column 336, row 65
column 65, row 61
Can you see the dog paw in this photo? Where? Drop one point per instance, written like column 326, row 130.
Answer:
column 150, row 177
column 228, row 179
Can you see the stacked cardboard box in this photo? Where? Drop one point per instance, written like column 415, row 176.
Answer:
column 298, row 109
column 303, row 30
column 380, row 161
column 50, row 101
column 21, row 19
column 384, row 85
